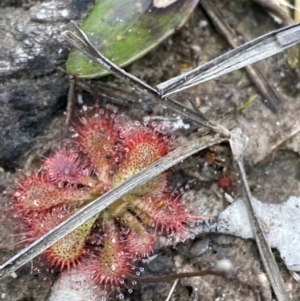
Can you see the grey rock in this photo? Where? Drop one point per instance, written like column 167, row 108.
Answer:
column 32, row 89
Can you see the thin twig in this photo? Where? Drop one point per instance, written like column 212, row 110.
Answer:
column 238, row 143
column 70, row 102
column 109, row 94
column 172, row 276
column 256, row 75
column 246, row 54
column 172, row 290
column 297, row 11
column 274, row 8
column 99, row 204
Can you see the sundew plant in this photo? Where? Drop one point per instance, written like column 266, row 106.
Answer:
column 103, row 150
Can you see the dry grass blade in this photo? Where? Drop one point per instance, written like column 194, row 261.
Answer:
column 104, row 201
column 238, row 143
column 81, row 42
column 249, row 53
column 274, row 7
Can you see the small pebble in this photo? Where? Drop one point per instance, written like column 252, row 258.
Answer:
column 224, row 265
column 199, row 247
column 203, row 23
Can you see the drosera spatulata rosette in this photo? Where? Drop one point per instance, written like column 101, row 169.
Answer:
column 102, row 152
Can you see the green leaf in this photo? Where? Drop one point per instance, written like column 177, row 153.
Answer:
column 126, row 30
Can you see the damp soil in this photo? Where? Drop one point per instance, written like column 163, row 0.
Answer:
column 33, row 97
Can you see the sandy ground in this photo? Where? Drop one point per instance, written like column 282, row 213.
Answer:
column 33, row 101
